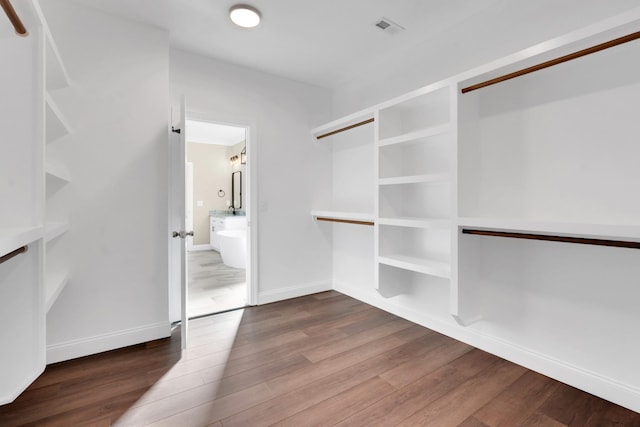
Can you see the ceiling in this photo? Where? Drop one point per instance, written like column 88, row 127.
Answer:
column 325, row 43
column 213, row 133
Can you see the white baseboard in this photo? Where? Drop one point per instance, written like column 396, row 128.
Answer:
column 591, row 382
column 293, row 292
column 83, row 347
column 197, row 248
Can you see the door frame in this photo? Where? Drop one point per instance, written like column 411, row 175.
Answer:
column 252, row 207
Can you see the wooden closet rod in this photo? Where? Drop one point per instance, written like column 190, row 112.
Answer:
column 550, row 238
column 14, row 18
column 12, row 254
column 355, row 125
column 556, row 61
column 345, row 221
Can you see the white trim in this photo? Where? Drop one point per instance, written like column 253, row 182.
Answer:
column 251, row 142
column 293, row 292
column 198, row 248
column 604, row 387
column 104, row 342
column 8, row 398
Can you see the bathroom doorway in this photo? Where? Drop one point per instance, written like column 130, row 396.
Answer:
column 217, row 200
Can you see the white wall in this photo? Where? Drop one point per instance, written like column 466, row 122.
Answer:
column 507, row 27
column 293, row 172
column 118, row 107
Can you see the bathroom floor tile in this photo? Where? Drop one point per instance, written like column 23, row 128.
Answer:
column 214, row 287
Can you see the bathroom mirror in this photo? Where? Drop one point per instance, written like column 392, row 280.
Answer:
column 236, row 190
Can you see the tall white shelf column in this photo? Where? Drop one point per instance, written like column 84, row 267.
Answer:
column 57, row 131
column 349, row 216
column 22, row 313
column 30, row 178
column 414, row 170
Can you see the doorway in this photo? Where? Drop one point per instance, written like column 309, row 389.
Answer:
column 216, row 210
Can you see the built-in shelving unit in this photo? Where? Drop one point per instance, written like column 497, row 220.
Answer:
column 22, row 357
column 346, row 218
column 57, row 130
column 54, row 284
column 547, row 226
column 14, row 237
column 416, row 222
column 414, row 179
column 57, row 171
column 414, row 219
column 33, row 177
column 504, row 208
column 55, row 229
column 56, row 76
column 56, row 124
column 419, row 265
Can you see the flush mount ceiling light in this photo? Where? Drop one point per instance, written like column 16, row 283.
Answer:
column 244, row 16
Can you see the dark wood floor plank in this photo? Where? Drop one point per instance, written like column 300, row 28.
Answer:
column 540, row 420
column 364, row 325
column 304, row 395
column 364, row 315
column 316, row 360
column 572, row 407
column 327, row 295
column 202, row 410
column 334, row 364
column 102, row 363
column 235, row 365
column 340, row 406
column 457, row 405
column 73, row 401
column 473, row 422
column 518, row 401
column 350, row 342
column 410, row 399
column 260, row 374
column 442, row 350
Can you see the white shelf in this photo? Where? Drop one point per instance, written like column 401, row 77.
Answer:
column 55, row 229
column 56, row 73
column 412, row 136
column 56, row 124
column 414, row 179
column 630, row 232
column 58, row 172
column 57, row 77
column 12, row 238
column 345, row 216
column 419, row 265
column 415, row 222
column 54, row 284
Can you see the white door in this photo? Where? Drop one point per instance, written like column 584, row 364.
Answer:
column 179, row 233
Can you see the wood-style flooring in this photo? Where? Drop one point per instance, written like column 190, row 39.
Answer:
column 321, row 360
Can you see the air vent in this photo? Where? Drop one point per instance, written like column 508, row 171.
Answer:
column 388, row 26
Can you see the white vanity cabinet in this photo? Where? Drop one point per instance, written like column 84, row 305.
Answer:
column 219, row 222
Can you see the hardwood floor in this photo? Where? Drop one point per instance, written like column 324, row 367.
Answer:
column 320, row 360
